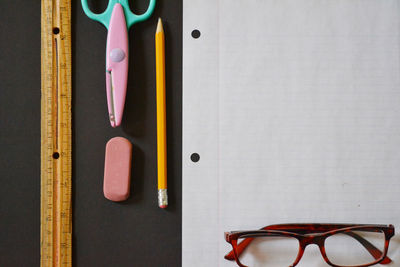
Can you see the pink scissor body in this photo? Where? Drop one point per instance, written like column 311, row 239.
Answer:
column 117, row 18
column 117, row 65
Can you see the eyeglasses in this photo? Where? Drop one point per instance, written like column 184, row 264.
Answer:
column 341, row 245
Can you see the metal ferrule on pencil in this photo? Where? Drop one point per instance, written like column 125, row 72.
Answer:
column 162, row 198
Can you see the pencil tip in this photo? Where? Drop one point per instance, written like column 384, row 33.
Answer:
column 159, row 25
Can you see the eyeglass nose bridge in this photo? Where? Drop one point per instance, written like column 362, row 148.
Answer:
column 316, row 239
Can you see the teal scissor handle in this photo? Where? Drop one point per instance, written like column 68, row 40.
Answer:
column 131, row 18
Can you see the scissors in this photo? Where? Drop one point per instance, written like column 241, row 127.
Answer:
column 117, row 18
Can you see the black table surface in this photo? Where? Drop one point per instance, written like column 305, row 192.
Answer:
column 132, row 233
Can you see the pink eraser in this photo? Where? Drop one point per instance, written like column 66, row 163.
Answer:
column 117, row 169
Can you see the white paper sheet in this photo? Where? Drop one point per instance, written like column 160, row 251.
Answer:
column 294, row 109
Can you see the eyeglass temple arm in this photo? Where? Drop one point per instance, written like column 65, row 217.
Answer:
column 242, row 246
column 374, row 251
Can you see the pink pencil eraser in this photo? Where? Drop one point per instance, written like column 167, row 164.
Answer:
column 117, row 169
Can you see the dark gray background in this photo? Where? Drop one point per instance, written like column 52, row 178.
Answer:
column 132, row 233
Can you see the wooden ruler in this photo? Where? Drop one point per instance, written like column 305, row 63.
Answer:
column 56, row 223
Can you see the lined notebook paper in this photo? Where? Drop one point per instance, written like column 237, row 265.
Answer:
column 294, row 109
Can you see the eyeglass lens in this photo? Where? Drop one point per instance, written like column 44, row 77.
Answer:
column 344, row 249
column 270, row 251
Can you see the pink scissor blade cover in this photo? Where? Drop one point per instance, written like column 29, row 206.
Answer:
column 117, row 65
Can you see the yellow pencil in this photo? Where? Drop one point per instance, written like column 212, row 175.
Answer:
column 161, row 117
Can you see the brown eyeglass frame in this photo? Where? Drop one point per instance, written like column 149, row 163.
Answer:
column 316, row 234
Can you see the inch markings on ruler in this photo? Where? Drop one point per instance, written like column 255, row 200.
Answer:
column 56, row 215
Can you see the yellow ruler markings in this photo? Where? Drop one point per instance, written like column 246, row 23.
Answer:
column 56, row 223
